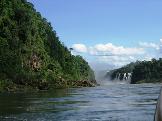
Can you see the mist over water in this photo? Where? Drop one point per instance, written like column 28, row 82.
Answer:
column 104, row 79
column 112, row 82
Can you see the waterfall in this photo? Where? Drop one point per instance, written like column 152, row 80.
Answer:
column 119, row 76
column 123, row 77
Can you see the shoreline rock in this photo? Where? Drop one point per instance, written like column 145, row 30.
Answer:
column 61, row 84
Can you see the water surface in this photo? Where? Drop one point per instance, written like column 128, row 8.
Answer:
column 112, row 102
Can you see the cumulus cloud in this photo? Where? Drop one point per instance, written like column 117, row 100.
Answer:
column 150, row 45
column 119, row 55
column 156, row 46
column 110, row 53
column 107, row 50
column 116, row 60
column 110, row 49
column 147, row 58
column 160, row 46
column 80, row 48
column 161, row 40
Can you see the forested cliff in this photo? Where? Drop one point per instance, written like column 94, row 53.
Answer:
column 147, row 71
column 141, row 72
column 31, row 52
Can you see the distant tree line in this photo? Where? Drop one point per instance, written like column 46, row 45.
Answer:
column 125, row 69
column 147, row 71
column 142, row 71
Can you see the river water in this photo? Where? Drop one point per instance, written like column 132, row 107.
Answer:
column 108, row 102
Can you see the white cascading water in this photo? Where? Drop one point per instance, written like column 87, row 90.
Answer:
column 125, row 80
column 126, row 77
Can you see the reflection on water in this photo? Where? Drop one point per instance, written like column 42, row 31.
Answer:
column 115, row 102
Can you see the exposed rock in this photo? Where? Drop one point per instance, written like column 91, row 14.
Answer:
column 35, row 62
column 85, row 83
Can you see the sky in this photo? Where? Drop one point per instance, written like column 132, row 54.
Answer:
column 107, row 33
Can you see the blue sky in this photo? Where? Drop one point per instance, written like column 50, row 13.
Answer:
column 128, row 29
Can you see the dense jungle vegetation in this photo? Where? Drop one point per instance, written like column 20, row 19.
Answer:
column 142, row 71
column 31, row 53
column 147, row 71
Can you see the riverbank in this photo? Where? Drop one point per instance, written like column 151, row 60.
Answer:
column 10, row 86
column 148, row 81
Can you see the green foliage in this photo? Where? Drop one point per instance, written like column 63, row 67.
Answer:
column 142, row 71
column 148, row 71
column 125, row 69
column 30, row 50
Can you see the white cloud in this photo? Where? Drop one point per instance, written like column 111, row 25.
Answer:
column 107, row 49
column 147, row 58
column 119, row 55
column 109, row 53
column 160, row 46
column 149, row 45
column 161, row 40
column 80, row 48
column 110, row 49
column 116, row 60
